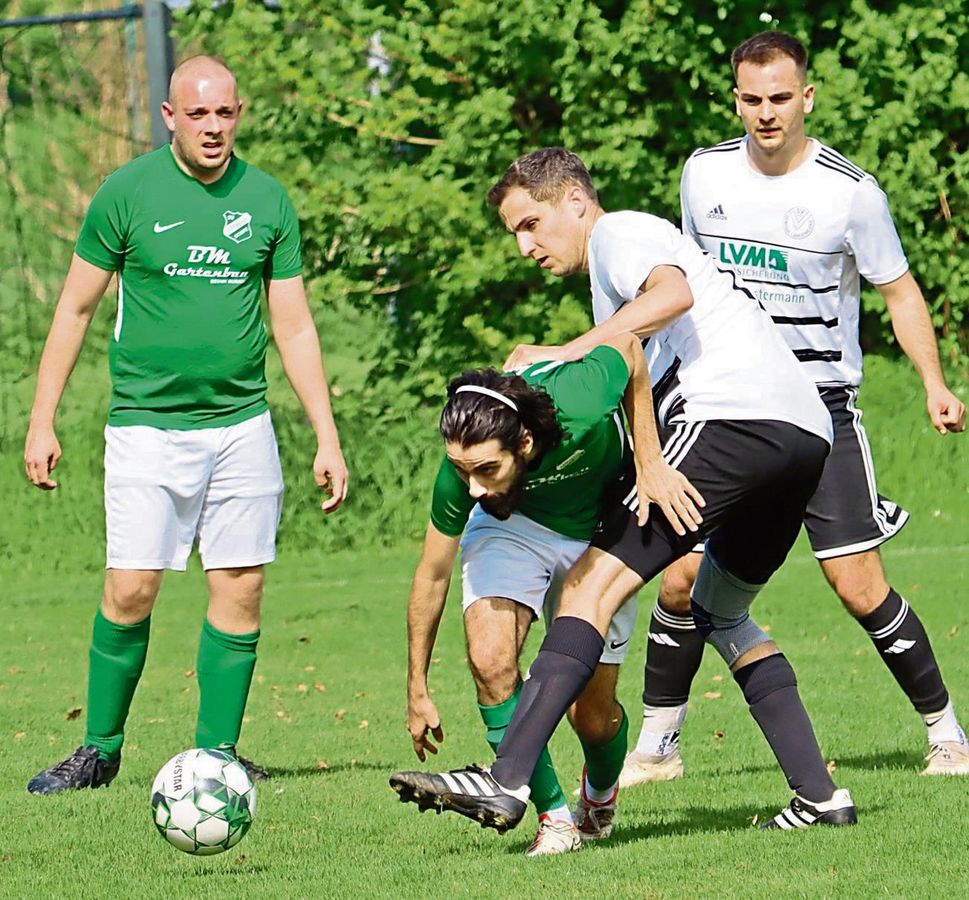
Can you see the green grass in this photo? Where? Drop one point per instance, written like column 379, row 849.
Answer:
column 327, row 712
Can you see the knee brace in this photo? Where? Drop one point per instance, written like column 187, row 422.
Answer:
column 720, row 604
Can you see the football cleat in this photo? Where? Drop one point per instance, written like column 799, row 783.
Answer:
column 254, row 771
column 470, row 792
column 643, row 768
column 799, row 813
column 84, row 768
column 947, row 758
column 554, row 837
column 594, row 820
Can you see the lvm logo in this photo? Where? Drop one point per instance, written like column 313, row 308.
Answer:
column 211, row 256
column 755, row 256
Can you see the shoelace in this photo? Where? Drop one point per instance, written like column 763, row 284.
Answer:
column 73, row 764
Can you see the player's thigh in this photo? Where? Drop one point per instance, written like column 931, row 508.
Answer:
column 846, row 515
column 755, row 537
column 243, row 499
column 154, row 483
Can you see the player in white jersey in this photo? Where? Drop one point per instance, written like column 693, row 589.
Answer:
column 800, row 223
column 750, row 434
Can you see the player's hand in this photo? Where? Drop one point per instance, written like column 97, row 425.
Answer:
column 330, row 473
column 42, row 453
column 422, row 720
column 946, row 410
column 658, row 482
column 528, row 354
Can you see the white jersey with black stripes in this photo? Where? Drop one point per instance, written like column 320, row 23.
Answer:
column 799, row 241
column 723, row 359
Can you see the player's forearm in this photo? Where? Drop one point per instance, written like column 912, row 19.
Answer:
column 638, row 404
column 61, row 350
column 303, row 364
column 424, row 611
column 649, row 313
column 916, row 336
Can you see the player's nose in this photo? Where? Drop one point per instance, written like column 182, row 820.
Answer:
column 526, row 244
column 476, row 488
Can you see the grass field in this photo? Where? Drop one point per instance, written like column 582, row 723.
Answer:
column 327, row 710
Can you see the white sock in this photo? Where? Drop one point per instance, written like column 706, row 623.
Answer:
column 561, row 815
column 598, row 796
column 944, row 726
column 660, row 734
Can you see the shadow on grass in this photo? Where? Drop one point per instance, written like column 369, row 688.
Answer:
column 240, row 869
column 336, row 769
column 898, row 760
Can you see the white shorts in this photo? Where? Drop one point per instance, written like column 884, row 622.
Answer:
column 526, row 562
column 164, row 488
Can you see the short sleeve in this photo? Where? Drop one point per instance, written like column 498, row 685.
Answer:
column 625, row 257
column 871, row 236
column 286, row 258
column 686, row 217
column 590, row 389
column 104, row 232
column 451, row 504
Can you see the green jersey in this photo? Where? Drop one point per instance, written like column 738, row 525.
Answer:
column 564, row 486
column 189, row 343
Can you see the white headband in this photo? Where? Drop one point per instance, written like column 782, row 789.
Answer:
column 474, row 389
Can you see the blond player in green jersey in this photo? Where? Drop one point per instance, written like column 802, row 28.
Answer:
column 192, row 233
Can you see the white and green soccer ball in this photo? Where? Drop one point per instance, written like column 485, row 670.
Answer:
column 203, row 801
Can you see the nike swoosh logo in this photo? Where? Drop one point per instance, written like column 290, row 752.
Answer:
column 615, row 645
column 159, row 228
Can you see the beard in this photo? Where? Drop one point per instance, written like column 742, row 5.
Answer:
column 501, row 506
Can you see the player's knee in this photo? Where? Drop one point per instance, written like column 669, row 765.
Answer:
column 720, row 605
column 495, row 674
column 674, row 592
column 129, row 597
column 859, row 594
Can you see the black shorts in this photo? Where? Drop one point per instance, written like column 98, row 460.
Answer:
column 756, row 478
column 847, row 514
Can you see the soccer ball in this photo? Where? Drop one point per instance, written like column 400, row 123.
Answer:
column 203, row 801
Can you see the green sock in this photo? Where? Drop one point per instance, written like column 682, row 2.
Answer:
column 546, row 791
column 117, row 658
column 603, row 762
column 225, row 665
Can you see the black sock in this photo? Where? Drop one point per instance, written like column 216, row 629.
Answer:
column 770, row 689
column 904, row 646
column 673, row 654
column 565, row 663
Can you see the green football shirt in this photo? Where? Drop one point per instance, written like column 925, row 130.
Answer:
column 189, row 344
column 564, row 487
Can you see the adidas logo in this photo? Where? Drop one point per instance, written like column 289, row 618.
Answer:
column 665, row 639
column 717, row 213
column 900, row 646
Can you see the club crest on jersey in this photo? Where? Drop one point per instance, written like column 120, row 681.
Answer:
column 798, row 222
column 238, row 226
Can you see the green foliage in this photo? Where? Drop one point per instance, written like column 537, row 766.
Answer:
column 391, row 120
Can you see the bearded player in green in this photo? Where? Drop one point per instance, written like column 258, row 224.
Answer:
column 192, row 233
column 531, row 458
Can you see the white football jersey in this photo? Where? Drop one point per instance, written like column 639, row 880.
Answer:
column 723, row 359
column 799, row 241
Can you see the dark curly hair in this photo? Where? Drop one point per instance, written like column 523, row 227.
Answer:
column 470, row 418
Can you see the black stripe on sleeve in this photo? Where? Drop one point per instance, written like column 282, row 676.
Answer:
column 834, row 156
column 838, row 169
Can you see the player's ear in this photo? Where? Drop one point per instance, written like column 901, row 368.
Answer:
column 527, row 442
column 808, row 98
column 168, row 115
column 577, row 199
column 736, row 101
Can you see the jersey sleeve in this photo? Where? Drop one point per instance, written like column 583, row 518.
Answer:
column 624, row 257
column 871, row 236
column 451, row 504
column 590, row 389
column 103, row 238
column 687, row 225
column 286, row 258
